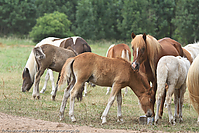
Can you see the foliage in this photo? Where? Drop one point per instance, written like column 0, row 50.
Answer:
column 53, row 24
column 187, row 21
column 107, row 19
column 17, row 16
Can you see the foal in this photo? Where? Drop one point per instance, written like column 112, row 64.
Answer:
column 52, row 57
column 173, row 71
column 111, row 72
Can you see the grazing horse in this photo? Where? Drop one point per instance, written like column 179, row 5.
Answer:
column 77, row 43
column 119, row 50
column 51, row 57
column 173, row 71
column 111, row 72
column 147, row 51
column 193, row 84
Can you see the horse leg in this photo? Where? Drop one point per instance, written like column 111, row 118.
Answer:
column 182, row 91
column 119, row 104
column 73, row 94
column 65, row 98
column 108, row 89
column 176, row 103
column 198, row 119
column 45, row 82
column 36, row 84
column 162, row 104
column 52, row 80
column 85, row 89
column 157, row 117
column 53, row 93
column 126, row 91
column 111, row 99
column 168, row 100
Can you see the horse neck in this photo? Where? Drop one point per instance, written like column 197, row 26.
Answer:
column 139, row 84
column 31, row 65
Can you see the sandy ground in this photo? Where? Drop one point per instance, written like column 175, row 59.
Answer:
column 15, row 124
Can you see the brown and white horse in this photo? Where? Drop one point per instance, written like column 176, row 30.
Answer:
column 77, row 43
column 111, row 72
column 120, row 50
column 147, row 51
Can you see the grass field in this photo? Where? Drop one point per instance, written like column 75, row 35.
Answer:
column 14, row 54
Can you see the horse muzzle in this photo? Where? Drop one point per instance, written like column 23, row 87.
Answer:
column 149, row 113
column 135, row 66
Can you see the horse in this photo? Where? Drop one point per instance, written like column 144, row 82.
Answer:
column 193, row 49
column 77, row 43
column 173, row 71
column 147, row 51
column 110, row 72
column 48, row 56
column 119, row 50
column 193, row 84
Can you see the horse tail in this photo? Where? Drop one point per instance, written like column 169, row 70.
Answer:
column 193, row 84
column 162, row 74
column 66, row 72
column 38, row 53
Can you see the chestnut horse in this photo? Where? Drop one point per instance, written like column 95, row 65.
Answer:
column 119, row 50
column 77, row 43
column 193, row 84
column 147, row 51
column 48, row 56
column 111, row 72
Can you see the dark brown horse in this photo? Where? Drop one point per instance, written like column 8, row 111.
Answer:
column 111, row 72
column 147, row 51
column 51, row 57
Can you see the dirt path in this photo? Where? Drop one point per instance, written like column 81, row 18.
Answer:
column 10, row 124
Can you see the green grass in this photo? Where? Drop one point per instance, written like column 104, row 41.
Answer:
column 88, row 112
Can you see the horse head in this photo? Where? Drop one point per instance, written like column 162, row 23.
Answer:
column 147, row 102
column 139, row 48
column 27, row 82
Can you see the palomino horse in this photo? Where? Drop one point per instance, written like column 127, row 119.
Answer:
column 173, row 71
column 119, row 50
column 111, row 72
column 147, row 51
column 51, row 57
column 77, row 43
column 193, row 84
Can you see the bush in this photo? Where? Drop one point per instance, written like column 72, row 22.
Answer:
column 54, row 24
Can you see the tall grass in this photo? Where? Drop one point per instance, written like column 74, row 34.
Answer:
column 13, row 58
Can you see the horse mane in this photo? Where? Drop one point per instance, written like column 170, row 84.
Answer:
column 193, row 84
column 153, row 48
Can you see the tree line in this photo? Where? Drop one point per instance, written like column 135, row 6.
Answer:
column 107, row 19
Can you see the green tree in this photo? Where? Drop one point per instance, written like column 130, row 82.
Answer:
column 54, row 24
column 97, row 19
column 164, row 12
column 186, row 20
column 137, row 17
column 17, row 16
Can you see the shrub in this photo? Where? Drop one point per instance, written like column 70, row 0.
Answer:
column 54, row 24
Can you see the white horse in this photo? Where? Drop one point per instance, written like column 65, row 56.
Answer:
column 31, row 66
column 173, row 71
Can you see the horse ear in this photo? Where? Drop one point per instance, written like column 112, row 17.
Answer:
column 133, row 35
column 144, row 36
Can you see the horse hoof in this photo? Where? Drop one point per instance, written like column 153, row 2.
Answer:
column 73, row 119
column 103, row 120
column 181, row 120
column 38, row 97
column 53, row 98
